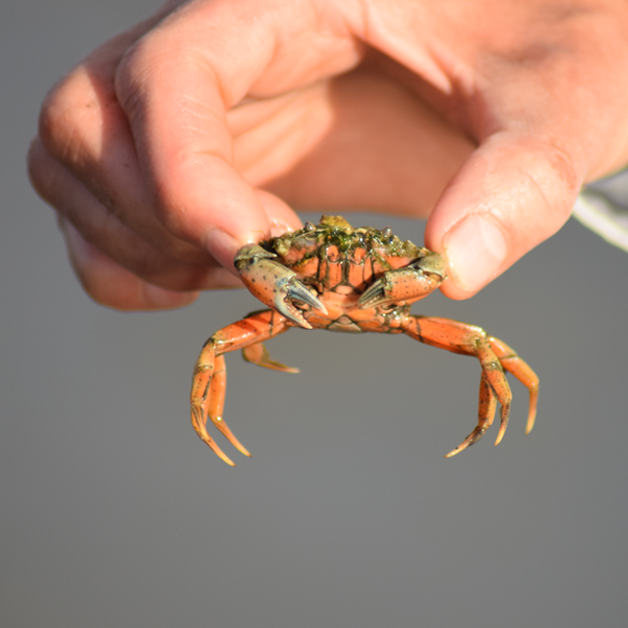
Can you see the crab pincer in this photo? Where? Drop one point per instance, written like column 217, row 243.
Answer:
column 411, row 283
column 275, row 285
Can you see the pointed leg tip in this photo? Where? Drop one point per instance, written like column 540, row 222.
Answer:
column 243, row 450
column 530, row 425
column 219, row 452
column 228, row 434
column 224, row 458
column 500, row 435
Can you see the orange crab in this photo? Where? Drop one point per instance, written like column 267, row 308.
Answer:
column 332, row 276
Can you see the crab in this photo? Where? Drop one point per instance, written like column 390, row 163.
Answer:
column 332, row 276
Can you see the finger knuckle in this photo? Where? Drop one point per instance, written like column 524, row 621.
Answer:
column 67, row 115
column 556, row 178
column 138, row 71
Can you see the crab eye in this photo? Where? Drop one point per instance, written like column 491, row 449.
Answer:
column 309, row 226
column 387, row 232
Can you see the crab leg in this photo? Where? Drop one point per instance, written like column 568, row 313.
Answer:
column 210, row 374
column 512, row 363
column 217, row 390
column 258, row 354
column 494, row 356
column 486, row 414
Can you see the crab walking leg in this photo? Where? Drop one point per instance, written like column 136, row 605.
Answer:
column 486, row 414
column 210, row 375
column 258, row 354
column 217, row 390
column 211, row 383
column 512, row 363
column 494, row 356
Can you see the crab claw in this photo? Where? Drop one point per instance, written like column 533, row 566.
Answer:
column 408, row 284
column 274, row 284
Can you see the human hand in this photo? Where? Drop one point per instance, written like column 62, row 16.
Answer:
column 197, row 131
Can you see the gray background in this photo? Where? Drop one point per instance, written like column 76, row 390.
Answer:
column 113, row 513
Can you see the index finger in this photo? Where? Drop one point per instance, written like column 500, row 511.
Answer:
column 176, row 86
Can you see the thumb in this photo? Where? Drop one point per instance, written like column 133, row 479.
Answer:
column 512, row 193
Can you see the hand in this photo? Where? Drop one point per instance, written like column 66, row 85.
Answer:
column 197, row 130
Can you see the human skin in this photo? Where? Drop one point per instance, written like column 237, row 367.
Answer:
column 205, row 126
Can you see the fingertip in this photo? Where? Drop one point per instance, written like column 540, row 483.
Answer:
column 475, row 249
column 281, row 217
column 510, row 195
column 223, row 246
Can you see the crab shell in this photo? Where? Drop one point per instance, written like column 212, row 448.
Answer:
column 332, row 276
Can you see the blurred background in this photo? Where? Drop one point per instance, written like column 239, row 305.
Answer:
column 113, row 513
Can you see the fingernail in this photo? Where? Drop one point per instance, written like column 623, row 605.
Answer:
column 163, row 299
column 222, row 246
column 475, row 249
column 279, row 227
